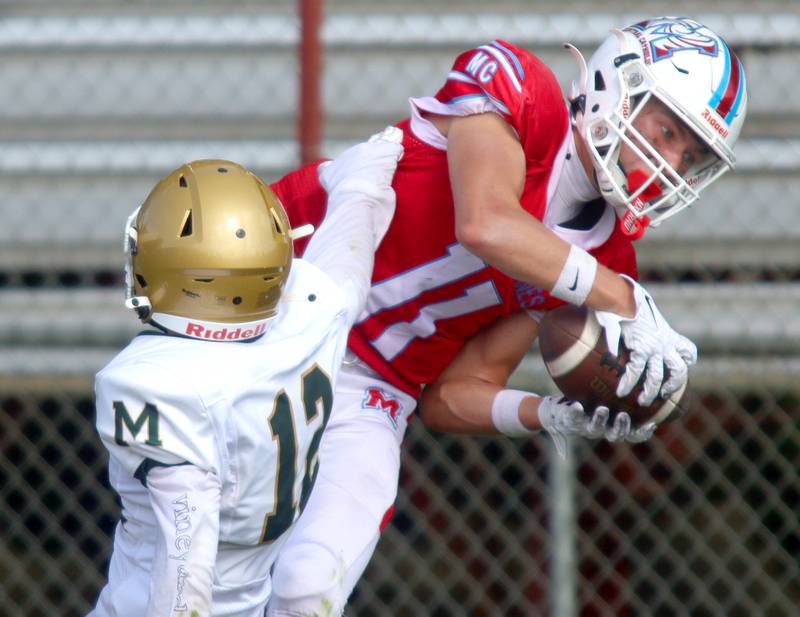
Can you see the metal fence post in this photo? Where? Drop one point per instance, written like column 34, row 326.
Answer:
column 563, row 576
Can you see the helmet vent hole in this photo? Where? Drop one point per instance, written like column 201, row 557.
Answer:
column 599, row 82
column 182, row 182
column 237, row 300
column 141, row 280
column 186, row 228
column 620, row 60
column 222, row 170
column 277, row 221
column 203, row 280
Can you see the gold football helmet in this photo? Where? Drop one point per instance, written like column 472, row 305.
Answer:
column 209, row 252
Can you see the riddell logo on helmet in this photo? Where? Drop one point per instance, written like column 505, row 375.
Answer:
column 715, row 124
column 196, row 330
column 626, row 106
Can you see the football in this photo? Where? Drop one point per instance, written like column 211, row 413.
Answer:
column 574, row 350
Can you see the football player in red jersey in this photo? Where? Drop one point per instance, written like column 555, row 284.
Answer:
column 510, row 201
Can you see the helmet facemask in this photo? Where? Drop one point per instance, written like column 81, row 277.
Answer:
column 653, row 190
column 138, row 303
column 612, row 92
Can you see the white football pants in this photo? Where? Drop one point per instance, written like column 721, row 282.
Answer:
column 334, row 538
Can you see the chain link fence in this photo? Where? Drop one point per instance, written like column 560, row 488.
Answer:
column 99, row 98
column 701, row 520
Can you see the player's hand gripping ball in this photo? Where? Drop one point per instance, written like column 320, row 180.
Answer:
column 573, row 347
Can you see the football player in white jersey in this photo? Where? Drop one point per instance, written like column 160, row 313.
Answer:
column 213, row 418
column 550, row 194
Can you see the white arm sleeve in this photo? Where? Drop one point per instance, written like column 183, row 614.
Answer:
column 361, row 204
column 344, row 248
column 186, row 502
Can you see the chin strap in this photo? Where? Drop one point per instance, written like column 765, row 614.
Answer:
column 140, row 304
column 633, row 225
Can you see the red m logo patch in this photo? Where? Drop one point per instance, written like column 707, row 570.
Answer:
column 376, row 398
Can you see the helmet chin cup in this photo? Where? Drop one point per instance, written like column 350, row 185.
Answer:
column 645, row 189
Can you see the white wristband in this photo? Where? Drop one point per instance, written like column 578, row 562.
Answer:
column 505, row 413
column 576, row 278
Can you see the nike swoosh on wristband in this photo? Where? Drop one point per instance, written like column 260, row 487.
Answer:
column 574, row 285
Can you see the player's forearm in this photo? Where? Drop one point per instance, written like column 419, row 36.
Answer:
column 488, row 168
column 465, row 406
column 186, row 501
column 511, row 240
column 612, row 293
column 519, row 245
column 459, row 406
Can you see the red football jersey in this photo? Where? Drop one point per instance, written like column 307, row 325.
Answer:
column 429, row 293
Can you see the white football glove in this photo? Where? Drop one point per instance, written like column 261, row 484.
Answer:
column 653, row 344
column 563, row 418
column 366, row 170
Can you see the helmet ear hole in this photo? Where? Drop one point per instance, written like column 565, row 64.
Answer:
column 599, row 82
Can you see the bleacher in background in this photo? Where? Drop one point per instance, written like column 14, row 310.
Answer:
column 100, row 98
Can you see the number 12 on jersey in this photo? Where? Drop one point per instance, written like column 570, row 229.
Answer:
column 317, row 394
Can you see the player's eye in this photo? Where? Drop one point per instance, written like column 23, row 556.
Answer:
column 666, row 131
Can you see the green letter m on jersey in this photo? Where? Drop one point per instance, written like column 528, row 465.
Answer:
column 149, row 415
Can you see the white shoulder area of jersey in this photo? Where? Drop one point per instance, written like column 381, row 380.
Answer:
column 190, row 377
column 145, row 366
column 149, row 408
column 426, row 132
column 153, row 362
column 310, row 299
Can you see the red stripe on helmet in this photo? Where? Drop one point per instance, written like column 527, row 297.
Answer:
column 733, row 87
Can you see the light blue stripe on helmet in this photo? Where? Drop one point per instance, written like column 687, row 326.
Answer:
column 726, row 77
column 739, row 96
